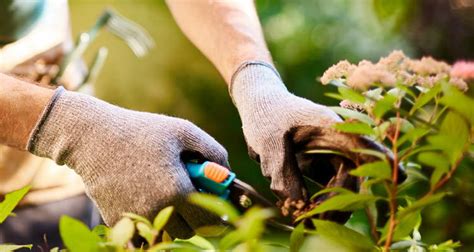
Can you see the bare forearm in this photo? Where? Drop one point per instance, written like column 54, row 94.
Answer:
column 21, row 105
column 228, row 32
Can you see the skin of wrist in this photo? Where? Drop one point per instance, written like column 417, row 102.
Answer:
column 21, row 106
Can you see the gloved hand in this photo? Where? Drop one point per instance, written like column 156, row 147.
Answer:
column 273, row 118
column 129, row 161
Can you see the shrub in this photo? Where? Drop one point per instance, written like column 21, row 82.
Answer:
column 415, row 108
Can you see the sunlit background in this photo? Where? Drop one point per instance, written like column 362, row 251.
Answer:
column 305, row 37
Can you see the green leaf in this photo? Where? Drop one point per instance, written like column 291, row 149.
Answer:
column 419, row 204
column 11, row 247
column 252, row 223
column 212, row 230
column 230, row 240
column 436, row 160
column 447, row 246
column 138, row 218
column 406, row 90
column 164, row 246
column 368, row 183
column 405, row 125
column 326, row 152
column 162, row 218
column 359, row 221
column 412, row 152
column 274, row 245
column 146, row 232
column 380, row 130
column 378, row 169
column 122, row 232
column 413, row 177
column 166, row 237
column 384, row 105
column 458, row 101
column 412, row 135
column 318, row 243
column 199, row 242
column 76, row 236
column 345, row 237
column 10, row 202
column 351, row 95
column 101, row 231
column 371, row 152
column 404, row 227
column 425, row 98
column 351, row 114
column 354, row 128
column 339, row 190
column 341, row 202
column 452, row 138
column 297, row 238
column 216, row 205
column 249, row 228
column 336, row 96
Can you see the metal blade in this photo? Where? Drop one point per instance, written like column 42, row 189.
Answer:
column 244, row 196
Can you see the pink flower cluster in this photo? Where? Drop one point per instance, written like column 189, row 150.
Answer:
column 463, row 70
column 398, row 68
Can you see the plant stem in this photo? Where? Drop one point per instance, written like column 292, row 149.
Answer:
column 446, row 178
column 393, row 191
column 370, row 216
column 373, row 225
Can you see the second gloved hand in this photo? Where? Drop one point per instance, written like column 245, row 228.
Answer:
column 271, row 117
column 129, row 161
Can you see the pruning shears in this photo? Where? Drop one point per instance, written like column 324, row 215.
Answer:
column 213, row 178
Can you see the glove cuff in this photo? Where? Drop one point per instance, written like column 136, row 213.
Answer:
column 250, row 63
column 254, row 79
column 34, row 135
column 64, row 132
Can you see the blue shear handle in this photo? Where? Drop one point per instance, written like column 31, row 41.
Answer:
column 204, row 184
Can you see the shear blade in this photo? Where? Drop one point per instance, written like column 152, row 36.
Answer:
column 244, row 196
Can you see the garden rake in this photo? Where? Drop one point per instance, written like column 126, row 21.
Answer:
column 135, row 36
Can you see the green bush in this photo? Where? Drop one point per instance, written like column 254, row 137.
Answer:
column 415, row 108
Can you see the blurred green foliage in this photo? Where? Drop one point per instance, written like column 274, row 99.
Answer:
column 305, row 38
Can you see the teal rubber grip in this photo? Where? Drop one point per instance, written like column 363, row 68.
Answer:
column 204, row 184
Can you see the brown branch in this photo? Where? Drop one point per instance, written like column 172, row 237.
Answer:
column 446, row 178
column 393, row 191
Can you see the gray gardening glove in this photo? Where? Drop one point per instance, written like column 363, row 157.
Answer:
column 130, row 161
column 271, row 115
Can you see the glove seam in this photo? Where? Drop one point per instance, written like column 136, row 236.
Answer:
column 33, row 138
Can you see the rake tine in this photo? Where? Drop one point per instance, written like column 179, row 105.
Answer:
column 84, row 40
column 129, row 36
column 129, row 31
column 137, row 38
column 131, row 28
column 96, row 67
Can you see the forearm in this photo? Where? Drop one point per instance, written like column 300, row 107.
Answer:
column 227, row 32
column 21, row 105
